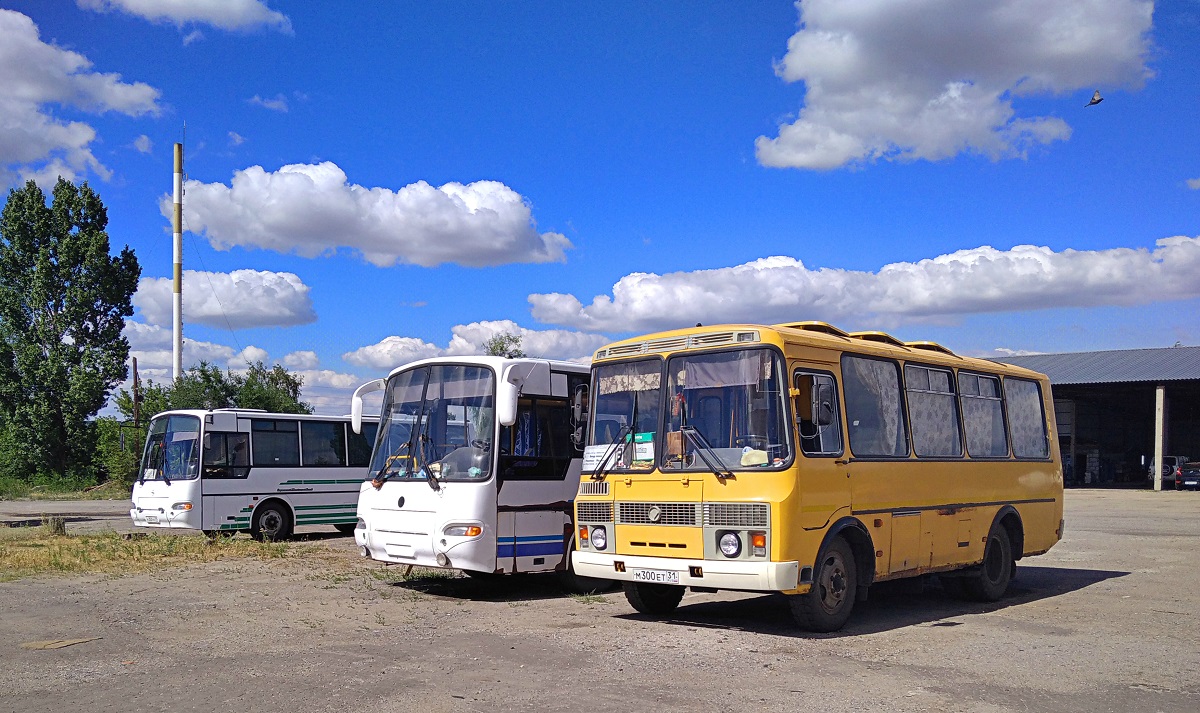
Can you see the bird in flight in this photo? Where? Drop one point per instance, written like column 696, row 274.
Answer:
column 1096, row 99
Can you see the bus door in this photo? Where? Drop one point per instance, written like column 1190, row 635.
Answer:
column 822, row 463
column 537, row 476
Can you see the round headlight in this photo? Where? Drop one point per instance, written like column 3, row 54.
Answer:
column 731, row 544
column 599, row 537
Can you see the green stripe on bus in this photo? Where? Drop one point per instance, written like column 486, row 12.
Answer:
column 319, row 507
column 326, row 516
column 321, row 482
column 330, row 521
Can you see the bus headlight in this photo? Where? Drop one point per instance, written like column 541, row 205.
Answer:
column 731, row 544
column 462, row 530
column 599, row 537
column 184, row 506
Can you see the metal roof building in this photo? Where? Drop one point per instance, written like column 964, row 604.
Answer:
column 1121, row 411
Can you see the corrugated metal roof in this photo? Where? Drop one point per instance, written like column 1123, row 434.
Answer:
column 1108, row 367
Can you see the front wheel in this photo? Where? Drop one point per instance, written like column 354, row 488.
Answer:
column 827, row 605
column 653, row 599
column 271, row 522
column 576, row 584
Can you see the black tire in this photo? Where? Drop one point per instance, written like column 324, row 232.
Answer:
column 346, row 528
column 991, row 579
column 484, row 576
column 271, row 522
column 653, row 599
column 827, row 605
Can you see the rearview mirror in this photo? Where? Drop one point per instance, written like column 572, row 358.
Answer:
column 356, row 404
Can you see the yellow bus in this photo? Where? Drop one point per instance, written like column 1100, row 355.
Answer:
column 803, row 459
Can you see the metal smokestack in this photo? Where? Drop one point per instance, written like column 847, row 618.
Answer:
column 177, row 289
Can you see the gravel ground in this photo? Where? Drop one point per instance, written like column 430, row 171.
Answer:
column 1106, row 621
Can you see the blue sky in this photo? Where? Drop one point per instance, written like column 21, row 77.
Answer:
column 374, row 182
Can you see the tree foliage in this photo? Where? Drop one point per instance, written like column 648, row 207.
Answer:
column 504, row 345
column 206, row 386
column 63, row 304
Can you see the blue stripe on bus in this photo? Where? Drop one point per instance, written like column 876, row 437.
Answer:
column 529, row 546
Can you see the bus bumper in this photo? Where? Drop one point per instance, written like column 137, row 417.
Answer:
column 714, row 574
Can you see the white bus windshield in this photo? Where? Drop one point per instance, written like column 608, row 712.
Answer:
column 172, row 449
column 437, row 420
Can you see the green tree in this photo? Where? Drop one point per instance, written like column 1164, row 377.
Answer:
column 504, row 345
column 63, row 304
column 206, row 386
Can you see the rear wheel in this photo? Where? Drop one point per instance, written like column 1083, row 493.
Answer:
column 993, row 576
column 653, row 599
column 827, row 605
column 271, row 522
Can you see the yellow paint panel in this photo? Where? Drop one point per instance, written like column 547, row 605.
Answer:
column 660, row 541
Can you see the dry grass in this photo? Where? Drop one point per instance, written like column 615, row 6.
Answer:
column 32, row 551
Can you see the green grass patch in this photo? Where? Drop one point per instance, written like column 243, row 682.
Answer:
column 32, row 551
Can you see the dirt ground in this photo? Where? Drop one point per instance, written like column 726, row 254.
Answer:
column 1107, row 621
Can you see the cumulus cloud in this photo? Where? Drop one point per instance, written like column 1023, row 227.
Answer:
column 978, row 280
column 896, row 80
column 313, row 210
column 278, row 103
column 151, row 345
column 301, row 360
column 39, row 77
column 143, row 144
column 1193, row 183
column 223, row 14
column 234, row 300
column 236, row 139
column 469, row 339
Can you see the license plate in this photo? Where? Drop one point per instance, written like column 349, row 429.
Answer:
column 658, row 576
column 152, row 519
column 1189, row 482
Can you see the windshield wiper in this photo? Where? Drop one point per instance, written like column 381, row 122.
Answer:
column 384, row 474
column 704, row 450
column 617, row 444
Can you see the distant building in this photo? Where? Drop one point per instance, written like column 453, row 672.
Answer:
column 1119, row 411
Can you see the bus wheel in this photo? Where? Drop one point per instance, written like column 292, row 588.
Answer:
column 827, row 605
column 991, row 580
column 346, row 528
column 653, row 599
column 271, row 522
column 575, row 584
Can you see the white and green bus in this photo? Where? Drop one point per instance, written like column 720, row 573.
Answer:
column 244, row 470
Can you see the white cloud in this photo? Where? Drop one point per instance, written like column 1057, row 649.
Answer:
column 35, row 144
column 1193, row 183
column 301, row 360
column 279, row 103
column 469, row 339
column 312, row 210
column 249, row 356
column 900, row 80
column 235, row 300
column 193, row 36
column 223, row 14
column 978, row 280
column 236, row 139
column 143, row 144
column 151, row 345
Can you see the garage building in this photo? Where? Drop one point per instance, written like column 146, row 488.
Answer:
column 1120, row 412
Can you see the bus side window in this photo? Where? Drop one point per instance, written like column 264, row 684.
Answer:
column 818, row 418
column 538, row 446
column 227, row 455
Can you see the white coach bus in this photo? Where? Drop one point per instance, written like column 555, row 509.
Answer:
column 231, row 470
column 475, row 466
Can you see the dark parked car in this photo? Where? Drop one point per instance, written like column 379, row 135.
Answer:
column 1188, row 477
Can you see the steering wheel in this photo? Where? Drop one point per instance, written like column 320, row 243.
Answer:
column 760, row 443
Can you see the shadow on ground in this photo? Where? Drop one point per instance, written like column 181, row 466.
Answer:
column 891, row 605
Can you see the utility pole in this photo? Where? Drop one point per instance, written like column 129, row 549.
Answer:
column 177, row 288
column 137, row 394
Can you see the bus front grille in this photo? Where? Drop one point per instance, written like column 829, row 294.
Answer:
column 594, row 488
column 658, row 513
column 740, row 515
column 595, row 512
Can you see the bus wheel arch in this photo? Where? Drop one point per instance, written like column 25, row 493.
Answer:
column 272, row 520
column 829, row 602
column 862, row 547
column 1010, row 520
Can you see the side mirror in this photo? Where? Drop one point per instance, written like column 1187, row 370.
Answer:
column 579, row 403
column 356, row 404
column 823, row 414
column 508, row 391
